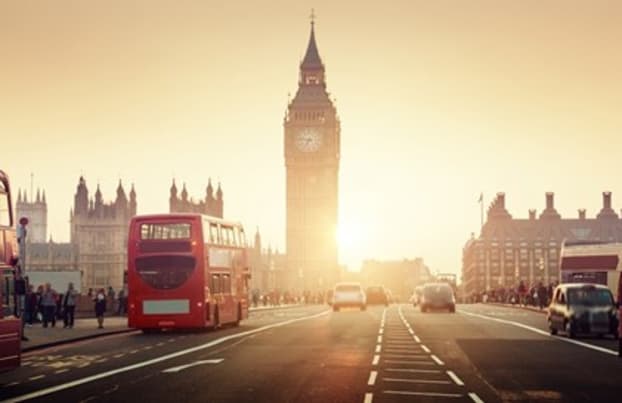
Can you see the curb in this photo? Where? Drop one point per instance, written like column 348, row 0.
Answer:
column 75, row 339
column 523, row 308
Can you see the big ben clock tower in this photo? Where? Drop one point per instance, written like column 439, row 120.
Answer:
column 312, row 138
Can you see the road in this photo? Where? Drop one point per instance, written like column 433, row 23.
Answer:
column 483, row 353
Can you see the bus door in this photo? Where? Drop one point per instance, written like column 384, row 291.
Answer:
column 220, row 283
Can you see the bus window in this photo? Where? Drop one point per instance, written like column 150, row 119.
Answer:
column 5, row 216
column 225, row 235
column 165, row 231
column 226, row 284
column 242, row 238
column 215, row 284
column 233, row 233
column 213, row 233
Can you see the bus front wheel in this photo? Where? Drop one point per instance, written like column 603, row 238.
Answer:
column 239, row 317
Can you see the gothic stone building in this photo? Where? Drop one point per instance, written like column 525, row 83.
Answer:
column 36, row 211
column 212, row 206
column 509, row 250
column 99, row 233
column 311, row 140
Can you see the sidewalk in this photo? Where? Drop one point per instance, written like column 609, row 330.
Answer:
column 40, row 337
column 86, row 328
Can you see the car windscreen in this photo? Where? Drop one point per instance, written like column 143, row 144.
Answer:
column 437, row 292
column 589, row 297
column 348, row 288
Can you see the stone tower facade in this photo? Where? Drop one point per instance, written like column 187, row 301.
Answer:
column 36, row 210
column 312, row 144
column 212, row 205
column 99, row 233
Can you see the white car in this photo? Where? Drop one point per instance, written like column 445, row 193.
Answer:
column 349, row 295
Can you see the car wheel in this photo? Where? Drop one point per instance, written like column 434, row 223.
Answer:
column 570, row 330
column 552, row 328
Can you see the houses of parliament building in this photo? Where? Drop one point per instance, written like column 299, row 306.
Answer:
column 510, row 250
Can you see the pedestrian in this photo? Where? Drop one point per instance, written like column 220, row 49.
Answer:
column 100, row 307
column 48, row 303
column 31, row 305
column 69, row 306
column 122, row 305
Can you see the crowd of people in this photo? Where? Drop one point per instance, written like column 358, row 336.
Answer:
column 537, row 295
column 47, row 306
column 277, row 297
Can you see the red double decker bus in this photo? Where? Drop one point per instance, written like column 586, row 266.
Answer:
column 10, row 326
column 186, row 271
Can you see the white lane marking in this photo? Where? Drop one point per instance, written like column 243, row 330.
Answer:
column 101, row 360
column 406, row 361
column 118, row 355
column 423, row 371
column 455, row 378
column 544, row 333
column 381, row 331
column 437, row 360
column 428, row 381
column 417, row 339
column 375, row 360
column 378, row 348
column 407, row 355
column 88, row 379
column 61, row 371
column 411, row 331
column 194, row 364
column 404, row 392
column 425, row 348
column 11, row 384
column 475, row 398
column 379, row 339
column 34, row 378
column 160, row 344
column 86, row 364
column 369, row 397
column 372, row 378
column 133, row 351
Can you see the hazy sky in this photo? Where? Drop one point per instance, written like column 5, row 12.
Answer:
column 439, row 101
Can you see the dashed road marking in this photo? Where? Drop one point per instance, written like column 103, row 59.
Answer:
column 424, row 381
column 425, row 348
column 375, row 360
column 101, row 361
column 118, row 355
column 432, row 394
column 379, row 339
column 378, row 348
column 12, row 384
column 61, row 371
column 406, row 361
column 381, row 331
column 417, row 339
column 369, row 397
column 160, row 344
column 455, row 378
column 34, row 378
column 133, row 351
column 372, row 378
column 437, row 360
column 194, row 364
column 422, row 371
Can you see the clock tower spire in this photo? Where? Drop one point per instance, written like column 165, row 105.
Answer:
column 312, row 141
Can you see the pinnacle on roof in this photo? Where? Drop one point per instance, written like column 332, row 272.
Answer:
column 219, row 192
column 312, row 58
column 19, row 195
column 43, row 197
column 132, row 192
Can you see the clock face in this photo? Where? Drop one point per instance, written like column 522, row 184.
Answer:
column 308, row 140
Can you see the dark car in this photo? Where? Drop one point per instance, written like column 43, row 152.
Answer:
column 437, row 296
column 377, row 296
column 583, row 308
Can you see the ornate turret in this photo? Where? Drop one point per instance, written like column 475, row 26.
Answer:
column 19, row 195
column 184, row 193
column 38, row 199
column 43, row 197
column 607, row 211
column 550, row 212
column 81, row 199
column 133, row 204
column 219, row 202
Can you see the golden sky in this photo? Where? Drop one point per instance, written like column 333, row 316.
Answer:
column 439, row 101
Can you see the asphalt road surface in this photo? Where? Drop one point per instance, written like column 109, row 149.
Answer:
column 482, row 353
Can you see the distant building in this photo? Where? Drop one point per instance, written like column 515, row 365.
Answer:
column 509, row 250
column 399, row 276
column 36, row 211
column 213, row 206
column 268, row 267
column 99, row 233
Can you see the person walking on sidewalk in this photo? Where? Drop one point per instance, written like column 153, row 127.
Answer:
column 100, row 307
column 48, row 303
column 69, row 305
